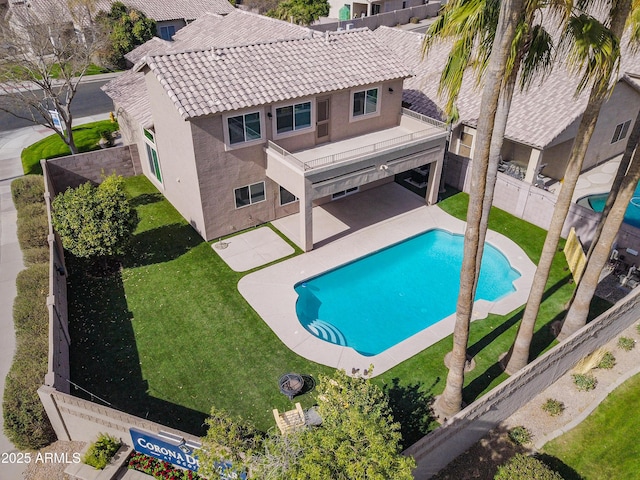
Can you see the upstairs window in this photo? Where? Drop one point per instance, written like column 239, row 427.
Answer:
column 244, row 128
column 621, row 131
column 167, row 33
column 293, row 117
column 365, row 102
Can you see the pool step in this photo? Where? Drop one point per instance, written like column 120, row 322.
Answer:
column 327, row 332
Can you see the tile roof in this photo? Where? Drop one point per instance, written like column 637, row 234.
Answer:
column 156, row 44
column 537, row 116
column 163, row 10
column 229, row 78
column 237, row 28
column 129, row 90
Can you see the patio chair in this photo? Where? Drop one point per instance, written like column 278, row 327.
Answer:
column 291, row 420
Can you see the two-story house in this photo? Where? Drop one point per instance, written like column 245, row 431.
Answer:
column 543, row 120
column 240, row 135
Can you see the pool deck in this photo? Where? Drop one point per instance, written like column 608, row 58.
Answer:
column 350, row 228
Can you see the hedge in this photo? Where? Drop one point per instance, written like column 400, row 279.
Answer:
column 524, row 467
column 25, row 420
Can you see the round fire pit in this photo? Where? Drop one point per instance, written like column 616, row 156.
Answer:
column 291, row 384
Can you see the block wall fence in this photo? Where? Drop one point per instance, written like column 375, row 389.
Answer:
column 78, row 419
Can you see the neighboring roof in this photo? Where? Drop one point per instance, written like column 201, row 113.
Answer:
column 165, row 10
column 156, row 44
column 537, row 116
column 237, row 28
column 229, row 78
column 129, row 90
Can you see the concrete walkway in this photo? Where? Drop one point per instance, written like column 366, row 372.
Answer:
column 11, row 145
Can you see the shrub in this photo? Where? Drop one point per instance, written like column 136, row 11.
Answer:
column 158, row 468
column 626, row 343
column 524, row 467
column 27, row 190
column 35, row 255
column 94, row 221
column 607, row 362
column 107, row 136
column 585, row 365
column 414, row 20
column 553, row 407
column 101, row 451
column 520, row 435
column 33, row 227
column 584, row 381
column 30, row 311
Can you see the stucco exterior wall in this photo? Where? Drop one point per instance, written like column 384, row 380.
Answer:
column 221, row 170
column 176, row 156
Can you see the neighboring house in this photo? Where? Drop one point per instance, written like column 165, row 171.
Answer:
column 346, row 9
column 240, row 135
column 169, row 16
column 543, row 120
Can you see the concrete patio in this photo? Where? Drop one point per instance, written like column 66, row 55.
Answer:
column 350, row 228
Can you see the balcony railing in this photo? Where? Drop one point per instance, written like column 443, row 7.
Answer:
column 364, row 150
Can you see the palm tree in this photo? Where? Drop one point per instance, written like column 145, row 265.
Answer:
column 511, row 13
column 597, row 49
column 601, row 248
column 472, row 24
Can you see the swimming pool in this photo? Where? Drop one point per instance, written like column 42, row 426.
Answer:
column 631, row 216
column 379, row 300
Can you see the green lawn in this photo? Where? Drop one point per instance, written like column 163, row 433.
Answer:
column 605, row 446
column 86, row 138
column 170, row 336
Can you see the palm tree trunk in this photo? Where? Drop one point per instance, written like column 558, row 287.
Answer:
column 450, row 401
column 577, row 316
column 520, row 349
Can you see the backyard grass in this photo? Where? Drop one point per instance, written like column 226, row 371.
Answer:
column 170, row 336
column 86, row 137
column 604, row 446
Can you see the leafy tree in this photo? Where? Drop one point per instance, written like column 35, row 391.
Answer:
column 127, row 28
column 94, row 221
column 358, row 438
column 301, row 12
column 45, row 56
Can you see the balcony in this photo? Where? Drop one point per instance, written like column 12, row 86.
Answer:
column 399, row 147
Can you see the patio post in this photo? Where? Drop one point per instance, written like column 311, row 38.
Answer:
column 433, row 185
column 306, row 218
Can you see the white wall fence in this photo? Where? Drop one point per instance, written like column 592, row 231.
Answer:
column 434, row 451
column 389, row 19
column 536, row 205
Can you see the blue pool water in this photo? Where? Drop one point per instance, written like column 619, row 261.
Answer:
column 631, row 216
column 384, row 298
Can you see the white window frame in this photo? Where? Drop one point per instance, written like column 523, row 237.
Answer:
column 621, row 131
column 149, row 143
column 225, row 128
column 264, row 189
column 295, row 198
column 299, row 131
column 355, row 118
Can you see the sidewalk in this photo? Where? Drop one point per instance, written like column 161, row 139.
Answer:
column 11, row 145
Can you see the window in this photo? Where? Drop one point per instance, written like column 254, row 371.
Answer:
column 152, row 154
column 344, row 193
column 365, row 102
column 293, row 117
column 244, row 128
column 621, row 131
column 250, row 194
column 167, row 33
column 375, row 8
column 286, row 197
column 464, row 147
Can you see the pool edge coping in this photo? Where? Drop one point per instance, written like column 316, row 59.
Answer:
column 270, row 291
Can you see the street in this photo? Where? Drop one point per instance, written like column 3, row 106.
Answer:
column 89, row 100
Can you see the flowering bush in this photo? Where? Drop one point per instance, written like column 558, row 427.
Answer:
column 159, row 469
